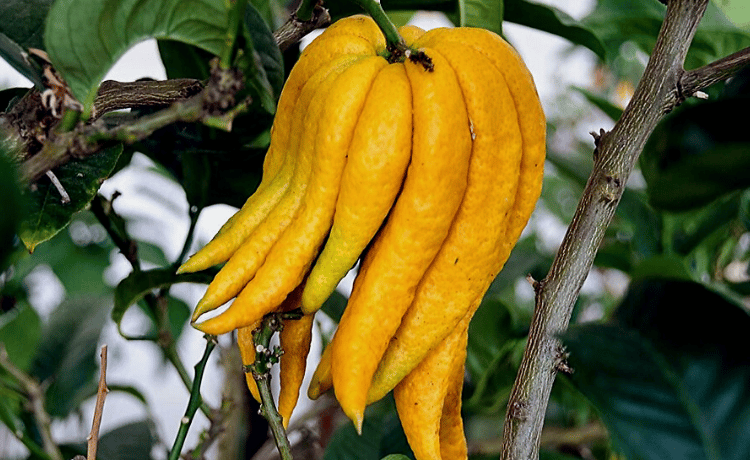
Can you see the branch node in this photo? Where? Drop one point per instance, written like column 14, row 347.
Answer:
column 518, row 410
column 561, row 360
column 597, row 140
column 537, row 285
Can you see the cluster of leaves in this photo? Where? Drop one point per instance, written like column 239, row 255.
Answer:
column 663, row 371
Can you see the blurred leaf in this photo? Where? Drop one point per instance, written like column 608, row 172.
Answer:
column 662, row 267
column 609, row 109
column 81, row 179
column 85, row 57
column 618, row 21
column 671, row 379
column 696, row 226
column 14, row 55
column 11, row 96
column 395, row 457
column 133, row 441
column 182, row 60
column 20, row 333
column 697, row 154
column 551, row 20
column 68, row 353
column 381, row 435
column 13, row 207
column 495, row 347
column 264, row 44
column 27, row 25
column 334, row 306
column 136, row 285
column 525, row 259
column 487, row 14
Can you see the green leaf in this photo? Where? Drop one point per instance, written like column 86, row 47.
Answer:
column 697, row 154
column 24, row 21
column 133, row 441
column 381, row 435
column 554, row 21
column 13, row 207
column 395, row 457
column 81, row 179
column 671, row 379
column 487, row 14
column 334, row 306
column 184, row 61
column 609, row 109
column 20, row 333
column 68, row 353
column 85, row 56
column 18, row 59
column 136, row 285
column 496, row 343
column 616, row 22
column 264, row 44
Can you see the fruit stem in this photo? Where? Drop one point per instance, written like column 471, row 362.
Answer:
column 394, row 42
column 265, row 358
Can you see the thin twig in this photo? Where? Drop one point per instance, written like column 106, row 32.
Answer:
column 614, row 158
column 195, row 400
column 265, row 358
column 35, row 396
column 697, row 79
column 101, row 395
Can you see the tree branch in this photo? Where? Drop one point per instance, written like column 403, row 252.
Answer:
column 294, row 28
column 614, row 158
column 695, row 80
column 35, row 396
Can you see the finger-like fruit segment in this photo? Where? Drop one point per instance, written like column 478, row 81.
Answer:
column 247, row 354
column 291, row 255
column 321, row 380
column 294, row 340
column 452, row 436
column 245, row 262
column 415, row 230
column 378, row 157
column 475, row 248
column 421, row 395
column 528, row 108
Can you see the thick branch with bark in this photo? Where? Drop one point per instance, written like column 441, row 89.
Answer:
column 664, row 85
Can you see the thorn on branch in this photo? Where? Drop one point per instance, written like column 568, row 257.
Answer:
column 597, row 141
column 536, row 285
column 561, row 360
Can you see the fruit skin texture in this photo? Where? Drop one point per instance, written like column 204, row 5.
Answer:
column 422, row 395
column 412, row 235
column 370, row 182
column 477, row 246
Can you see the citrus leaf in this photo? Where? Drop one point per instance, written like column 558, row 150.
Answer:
column 67, row 355
column 18, row 59
column 12, row 200
column 20, row 333
column 487, row 14
column 133, row 441
column 105, row 29
column 264, row 43
column 27, row 25
column 697, row 154
column 136, row 285
column 671, row 379
column 81, row 179
column 554, row 21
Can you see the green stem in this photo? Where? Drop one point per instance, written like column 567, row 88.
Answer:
column 194, row 213
column 305, row 10
column 261, row 369
column 394, row 42
column 170, row 352
column 195, row 400
column 69, row 120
